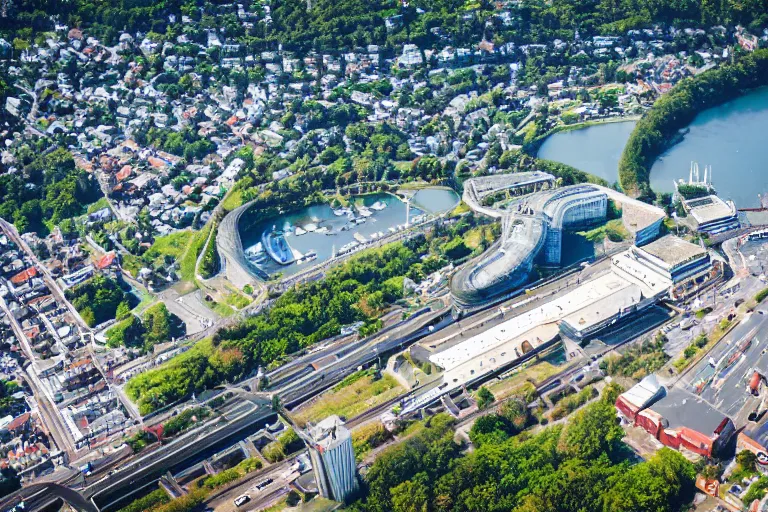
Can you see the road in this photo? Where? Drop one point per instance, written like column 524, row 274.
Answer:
column 281, row 474
column 60, row 298
column 724, row 386
column 10, row 230
column 50, row 414
column 398, row 336
column 146, row 469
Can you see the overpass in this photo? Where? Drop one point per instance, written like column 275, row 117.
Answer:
column 36, row 496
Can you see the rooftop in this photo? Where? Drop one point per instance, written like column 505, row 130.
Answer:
column 605, row 308
column 709, row 208
column 328, row 433
column 672, row 250
column 683, row 409
column 645, row 392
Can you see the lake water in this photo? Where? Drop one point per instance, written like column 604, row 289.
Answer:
column 730, row 138
column 594, row 149
column 432, row 201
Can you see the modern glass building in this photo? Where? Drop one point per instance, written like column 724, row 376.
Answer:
column 333, row 458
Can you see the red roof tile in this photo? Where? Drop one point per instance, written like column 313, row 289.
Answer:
column 106, row 260
column 24, row 276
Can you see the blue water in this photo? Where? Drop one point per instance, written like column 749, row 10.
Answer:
column 595, row 149
column 729, row 138
column 732, row 139
column 432, row 201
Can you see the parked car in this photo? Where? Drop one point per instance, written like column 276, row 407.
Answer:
column 242, row 500
column 261, row 485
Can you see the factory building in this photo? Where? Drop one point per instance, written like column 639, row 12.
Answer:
column 333, row 458
column 675, row 418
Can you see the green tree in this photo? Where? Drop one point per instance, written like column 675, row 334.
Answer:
column 484, row 397
column 412, row 495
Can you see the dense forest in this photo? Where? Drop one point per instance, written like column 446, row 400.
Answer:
column 342, row 24
column 361, row 289
column 155, row 326
column 98, row 300
column 46, row 189
column 675, row 110
column 578, row 466
column 7, row 389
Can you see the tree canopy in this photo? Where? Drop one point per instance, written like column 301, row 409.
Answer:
column 576, row 467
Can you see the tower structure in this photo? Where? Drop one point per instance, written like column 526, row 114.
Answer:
column 333, row 458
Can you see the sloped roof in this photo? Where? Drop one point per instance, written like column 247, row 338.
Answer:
column 645, row 392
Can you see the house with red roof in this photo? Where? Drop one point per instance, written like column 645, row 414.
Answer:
column 24, row 276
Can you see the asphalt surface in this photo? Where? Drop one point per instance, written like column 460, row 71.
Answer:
column 724, row 386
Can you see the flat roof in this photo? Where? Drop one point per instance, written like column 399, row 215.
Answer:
column 683, row 409
column 636, row 214
column 672, row 250
column 709, row 208
column 756, row 217
column 586, row 293
column 604, row 308
column 329, row 432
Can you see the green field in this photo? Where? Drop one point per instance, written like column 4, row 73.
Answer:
column 351, row 399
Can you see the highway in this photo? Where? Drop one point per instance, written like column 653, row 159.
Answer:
column 281, row 474
column 407, row 332
column 179, row 453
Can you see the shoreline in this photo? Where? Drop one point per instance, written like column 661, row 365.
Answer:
column 245, row 210
column 537, row 143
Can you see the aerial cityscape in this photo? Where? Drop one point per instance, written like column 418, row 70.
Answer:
column 383, row 256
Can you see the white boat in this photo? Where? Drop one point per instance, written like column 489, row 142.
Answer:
column 348, row 247
column 308, row 256
column 258, row 258
column 310, row 228
column 379, row 205
column 365, row 212
column 323, row 229
column 392, row 230
column 381, row 234
column 341, row 211
column 299, row 231
column 374, row 236
column 359, row 220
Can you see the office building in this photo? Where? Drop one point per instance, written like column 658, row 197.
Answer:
column 333, row 458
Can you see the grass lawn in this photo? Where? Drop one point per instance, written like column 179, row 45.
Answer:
column 350, row 400
column 460, row 209
column 475, row 236
column 237, row 300
column 220, row 308
column 189, row 256
column 403, row 166
column 132, row 264
column 233, row 200
column 536, row 372
column 98, row 205
column 172, row 245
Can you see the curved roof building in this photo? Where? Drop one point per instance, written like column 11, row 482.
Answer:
column 533, row 226
column 498, row 271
